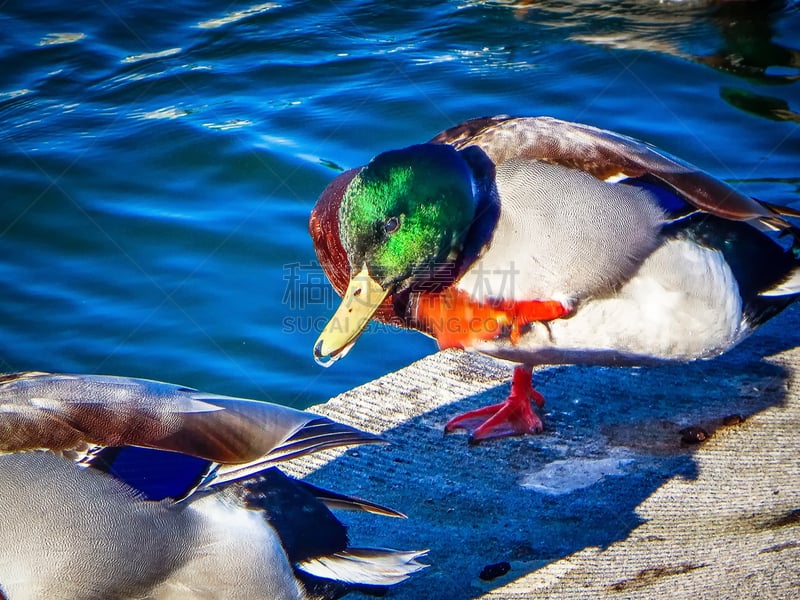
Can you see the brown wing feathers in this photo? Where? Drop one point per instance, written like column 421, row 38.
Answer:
column 606, row 155
column 67, row 412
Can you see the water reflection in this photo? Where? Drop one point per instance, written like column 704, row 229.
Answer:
column 774, row 109
column 747, row 31
column 736, row 37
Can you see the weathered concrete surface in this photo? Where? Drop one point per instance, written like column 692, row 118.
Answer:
column 608, row 502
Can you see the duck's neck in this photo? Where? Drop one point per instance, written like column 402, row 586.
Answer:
column 487, row 208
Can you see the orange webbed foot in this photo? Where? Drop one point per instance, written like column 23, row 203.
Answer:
column 513, row 416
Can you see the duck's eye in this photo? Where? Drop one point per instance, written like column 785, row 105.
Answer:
column 392, row 225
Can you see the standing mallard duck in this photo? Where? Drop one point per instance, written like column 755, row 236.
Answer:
column 547, row 242
column 151, row 490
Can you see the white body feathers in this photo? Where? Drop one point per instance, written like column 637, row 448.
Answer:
column 85, row 535
column 638, row 297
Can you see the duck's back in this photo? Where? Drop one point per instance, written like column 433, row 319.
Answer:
column 81, row 534
column 63, row 537
column 563, row 234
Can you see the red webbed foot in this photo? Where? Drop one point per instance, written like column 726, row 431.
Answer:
column 513, row 416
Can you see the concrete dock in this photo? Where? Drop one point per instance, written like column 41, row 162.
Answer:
column 616, row 499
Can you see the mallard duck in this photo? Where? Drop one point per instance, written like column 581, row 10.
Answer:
column 117, row 488
column 542, row 241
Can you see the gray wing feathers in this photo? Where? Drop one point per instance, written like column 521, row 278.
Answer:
column 605, row 155
column 66, row 412
column 581, row 236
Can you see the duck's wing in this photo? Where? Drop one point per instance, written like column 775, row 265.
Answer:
column 67, row 412
column 609, row 157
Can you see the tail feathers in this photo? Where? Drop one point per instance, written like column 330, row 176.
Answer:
column 335, row 500
column 785, row 211
column 366, row 566
column 789, row 286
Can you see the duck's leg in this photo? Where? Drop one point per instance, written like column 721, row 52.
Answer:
column 513, row 416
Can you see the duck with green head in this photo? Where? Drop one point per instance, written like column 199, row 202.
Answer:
column 547, row 242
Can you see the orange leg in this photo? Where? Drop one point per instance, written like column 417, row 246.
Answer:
column 513, row 416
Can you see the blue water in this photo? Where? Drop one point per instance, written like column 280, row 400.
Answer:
column 159, row 160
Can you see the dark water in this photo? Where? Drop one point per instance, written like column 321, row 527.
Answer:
column 158, row 161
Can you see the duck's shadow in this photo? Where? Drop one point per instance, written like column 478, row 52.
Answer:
column 613, row 436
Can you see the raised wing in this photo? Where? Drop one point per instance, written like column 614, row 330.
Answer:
column 67, row 412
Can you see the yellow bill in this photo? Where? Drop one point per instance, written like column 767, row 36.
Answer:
column 361, row 299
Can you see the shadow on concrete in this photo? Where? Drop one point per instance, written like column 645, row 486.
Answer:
column 613, row 436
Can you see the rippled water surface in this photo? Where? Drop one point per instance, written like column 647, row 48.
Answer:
column 158, row 161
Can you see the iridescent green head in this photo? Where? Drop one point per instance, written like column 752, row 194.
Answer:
column 407, row 210
column 404, row 214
